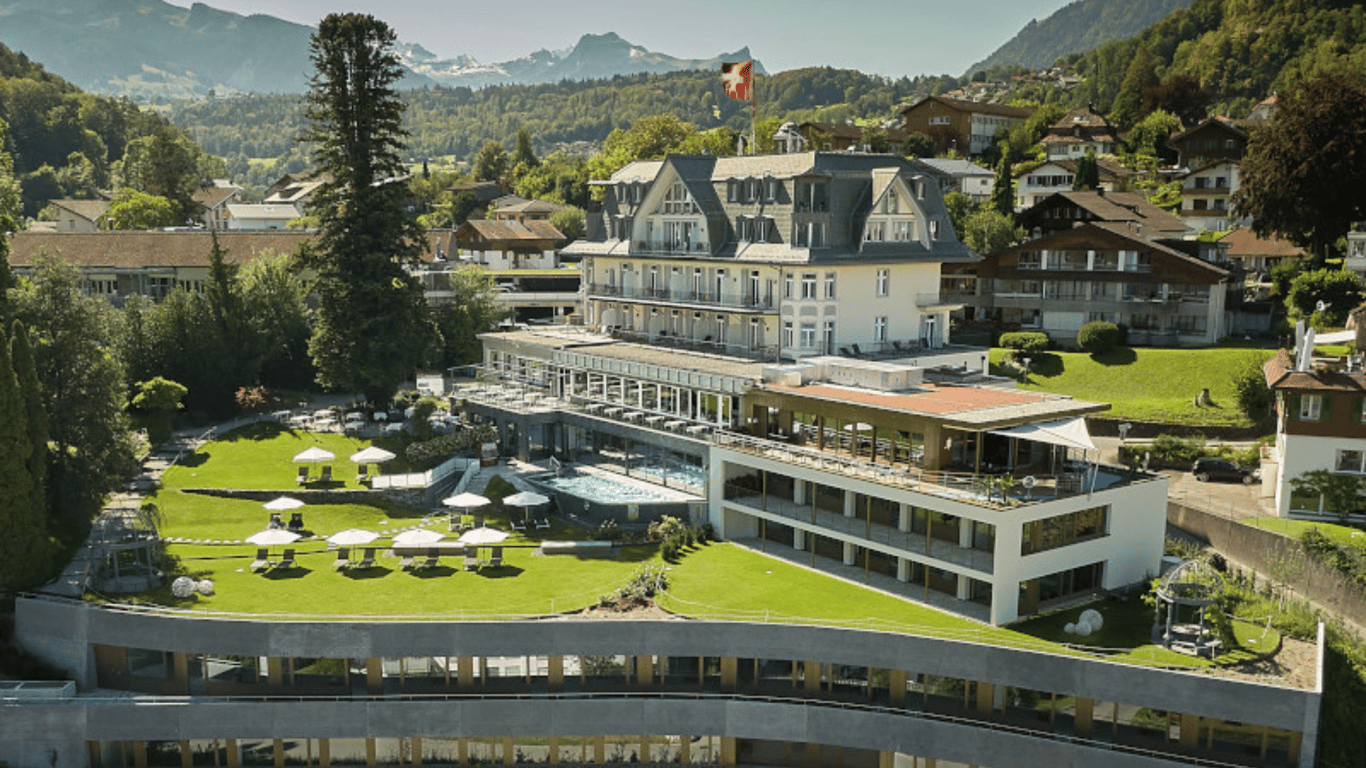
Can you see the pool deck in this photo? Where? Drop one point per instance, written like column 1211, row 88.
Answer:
column 666, row 494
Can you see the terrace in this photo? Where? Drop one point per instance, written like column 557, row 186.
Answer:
column 715, row 581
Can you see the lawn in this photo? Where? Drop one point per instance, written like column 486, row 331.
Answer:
column 1342, row 534
column 1156, row 385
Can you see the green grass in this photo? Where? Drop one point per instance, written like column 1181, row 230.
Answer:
column 1342, row 534
column 1156, row 385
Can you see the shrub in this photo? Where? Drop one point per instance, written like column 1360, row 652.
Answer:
column 1098, row 337
column 428, row 453
column 1027, row 342
column 498, row 489
column 1254, row 396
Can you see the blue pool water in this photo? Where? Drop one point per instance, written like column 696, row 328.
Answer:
column 603, row 490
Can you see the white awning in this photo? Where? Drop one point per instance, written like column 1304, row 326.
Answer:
column 1336, row 337
column 1070, row 433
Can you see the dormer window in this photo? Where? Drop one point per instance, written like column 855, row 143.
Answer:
column 678, row 199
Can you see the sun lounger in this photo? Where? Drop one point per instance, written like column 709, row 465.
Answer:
column 303, row 476
column 368, row 561
column 471, row 562
column 496, row 560
column 343, row 558
column 262, row 559
column 433, row 559
column 326, row 476
column 406, row 561
column 517, row 523
column 542, row 523
column 287, row 561
column 296, row 521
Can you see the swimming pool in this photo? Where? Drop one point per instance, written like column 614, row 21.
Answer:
column 605, row 490
column 591, row 496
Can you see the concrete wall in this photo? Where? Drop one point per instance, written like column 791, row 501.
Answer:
column 59, row 631
column 1265, row 551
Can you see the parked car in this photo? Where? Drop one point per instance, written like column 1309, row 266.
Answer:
column 1207, row 469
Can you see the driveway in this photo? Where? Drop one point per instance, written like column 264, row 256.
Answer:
column 1221, row 498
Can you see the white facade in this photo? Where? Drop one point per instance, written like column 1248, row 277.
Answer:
column 1207, row 197
column 1130, row 548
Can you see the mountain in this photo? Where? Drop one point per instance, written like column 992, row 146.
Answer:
column 594, row 57
column 1076, row 27
column 150, row 49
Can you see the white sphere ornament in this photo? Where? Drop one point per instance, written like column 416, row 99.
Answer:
column 183, row 586
column 204, row 587
column 1083, row 629
column 1070, row 628
column 1092, row 616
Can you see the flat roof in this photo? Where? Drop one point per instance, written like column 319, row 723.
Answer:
column 969, row 406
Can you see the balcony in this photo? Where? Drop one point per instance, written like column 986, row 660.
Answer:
column 736, row 300
column 670, row 340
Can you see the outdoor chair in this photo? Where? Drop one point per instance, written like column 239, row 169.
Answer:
column 368, row 561
column 287, row 560
column 897, row 346
column 262, row 559
column 405, row 559
column 496, row 560
column 471, row 562
column 326, row 476
column 343, row 558
column 857, row 352
column 296, row 521
column 542, row 522
column 363, row 473
column 274, row 521
column 303, row 476
column 517, row 523
column 845, row 351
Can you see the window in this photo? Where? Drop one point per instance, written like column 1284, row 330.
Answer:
column 939, row 120
column 934, row 229
column 880, row 329
column 787, row 333
column 884, row 277
column 829, row 285
column 829, row 337
column 1351, row 461
column 787, row 285
column 875, row 231
column 1062, row 530
column 903, row 230
column 678, row 199
column 1029, row 260
column 1311, row 407
column 1135, row 261
column 809, row 285
column 808, row 336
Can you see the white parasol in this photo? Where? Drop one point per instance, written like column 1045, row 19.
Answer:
column 465, row 500
column 372, row 455
column 525, row 499
column 353, row 537
column 482, row 536
column 283, row 503
column 272, row 537
column 314, row 455
column 418, row 538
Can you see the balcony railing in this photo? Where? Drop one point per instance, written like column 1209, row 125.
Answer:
column 734, row 300
column 707, row 344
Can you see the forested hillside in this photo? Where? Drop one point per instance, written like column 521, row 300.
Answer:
column 457, row 121
column 65, row 143
column 1076, row 28
column 1240, row 50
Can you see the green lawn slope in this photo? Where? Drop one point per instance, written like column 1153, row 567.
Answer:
column 1141, row 384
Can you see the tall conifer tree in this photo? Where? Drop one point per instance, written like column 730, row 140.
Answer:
column 23, row 532
column 373, row 328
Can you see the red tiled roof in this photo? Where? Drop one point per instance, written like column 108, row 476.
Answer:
column 1244, row 243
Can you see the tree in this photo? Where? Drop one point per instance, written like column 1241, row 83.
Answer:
column 274, row 298
column 84, row 394
column 165, row 164
column 569, row 220
column 1003, row 191
column 131, row 209
column 1098, row 337
column 987, row 230
column 959, row 206
column 1339, row 292
column 35, row 418
column 523, row 154
column 23, row 547
column 372, row 328
column 1180, row 95
column 917, row 145
column 1088, row 172
column 472, row 309
column 11, row 193
column 490, row 163
column 1249, row 384
column 158, row 399
column 1304, row 172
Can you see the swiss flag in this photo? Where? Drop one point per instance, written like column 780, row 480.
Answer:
column 738, row 80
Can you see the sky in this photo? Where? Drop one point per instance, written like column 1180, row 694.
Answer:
column 885, row 37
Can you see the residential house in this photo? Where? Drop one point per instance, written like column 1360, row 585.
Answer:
column 294, row 189
column 1265, row 109
column 958, row 126
column 520, row 209
column 79, row 215
column 215, row 199
column 1065, row 210
column 783, row 256
column 1356, row 252
column 1207, row 196
column 1319, row 427
column 1211, row 140
column 1079, row 132
column 1034, row 185
column 1100, row 271
column 522, row 258
column 1259, row 254
column 841, row 137
column 962, row 176
column 484, row 192
column 259, row 216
